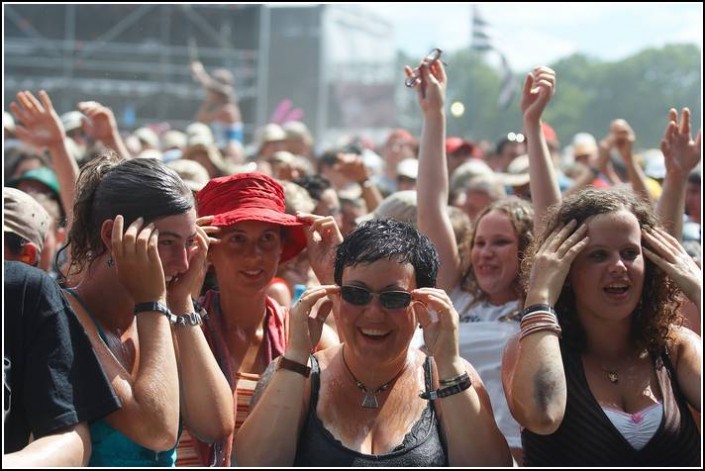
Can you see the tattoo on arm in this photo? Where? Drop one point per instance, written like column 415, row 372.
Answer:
column 546, row 387
column 263, row 383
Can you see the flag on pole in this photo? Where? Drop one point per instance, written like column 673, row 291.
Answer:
column 482, row 41
column 509, row 84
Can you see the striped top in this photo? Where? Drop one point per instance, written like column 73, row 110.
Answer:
column 586, row 437
column 189, row 450
column 192, row 452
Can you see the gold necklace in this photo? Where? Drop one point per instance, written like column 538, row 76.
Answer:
column 369, row 401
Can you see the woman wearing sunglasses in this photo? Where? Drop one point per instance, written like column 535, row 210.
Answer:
column 374, row 400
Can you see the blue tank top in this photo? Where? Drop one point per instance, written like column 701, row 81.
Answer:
column 112, row 448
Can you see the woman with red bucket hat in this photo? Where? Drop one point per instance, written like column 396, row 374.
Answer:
column 247, row 329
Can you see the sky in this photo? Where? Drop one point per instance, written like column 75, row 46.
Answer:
column 540, row 33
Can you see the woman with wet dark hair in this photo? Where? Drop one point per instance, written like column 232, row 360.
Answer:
column 137, row 251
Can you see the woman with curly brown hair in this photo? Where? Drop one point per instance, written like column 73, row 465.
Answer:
column 603, row 373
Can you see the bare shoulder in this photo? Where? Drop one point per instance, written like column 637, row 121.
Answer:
column 686, row 343
column 326, row 355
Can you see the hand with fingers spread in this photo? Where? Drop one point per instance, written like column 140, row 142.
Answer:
column 670, row 256
column 552, row 263
column 307, row 317
column 137, row 260
column 41, row 126
column 322, row 237
column 539, row 87
column 439, row 321
column 680, row 151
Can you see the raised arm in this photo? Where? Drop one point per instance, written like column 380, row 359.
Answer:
column 623, row 137
column 432, row 183
column 269, row 436
column 42, row 128
column 681, row 154
column 466, row 417
column 103, row 127
column 150, row 396
column 539, row 87
column 206, row 399
column 532, row 368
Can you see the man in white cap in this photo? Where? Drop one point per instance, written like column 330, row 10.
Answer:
column 25, row 226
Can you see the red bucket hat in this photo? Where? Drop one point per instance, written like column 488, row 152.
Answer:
column 251, row 196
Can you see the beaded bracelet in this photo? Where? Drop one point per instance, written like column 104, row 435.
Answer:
column 448, row 391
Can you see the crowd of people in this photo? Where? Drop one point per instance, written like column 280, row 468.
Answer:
column 184, row 299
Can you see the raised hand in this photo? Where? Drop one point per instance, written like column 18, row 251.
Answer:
column 552, row 263
column 680, row 151
column 188, row 284
column 671, row 257
column 623, row 137
column 40, row 124
column 439, row 321
column 102, row 120
column 137, row 260
column 431, row 85
column 322, row 237
column 539, row 87
column 306, row 322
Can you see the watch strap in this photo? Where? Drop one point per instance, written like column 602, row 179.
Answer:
column 155, row 306
column 295, row 366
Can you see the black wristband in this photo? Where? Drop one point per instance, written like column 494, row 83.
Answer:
column 156, row 307
column 445, row 392
column 536, row 308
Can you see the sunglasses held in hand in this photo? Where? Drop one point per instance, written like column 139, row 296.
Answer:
column 359, row 296
column 432, row 57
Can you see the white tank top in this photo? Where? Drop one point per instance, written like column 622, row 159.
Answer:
column 636, row 428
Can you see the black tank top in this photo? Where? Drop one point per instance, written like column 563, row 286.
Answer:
column 422, row 446
column 586, row 437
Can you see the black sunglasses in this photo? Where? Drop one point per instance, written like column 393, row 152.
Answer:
column 358, row 296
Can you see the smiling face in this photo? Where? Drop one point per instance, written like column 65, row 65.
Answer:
column 371, row 331
column 247, row 256
column 495, row 257
column 177, row 235
column 608, row 275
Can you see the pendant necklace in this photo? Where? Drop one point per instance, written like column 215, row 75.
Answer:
column 612, row 375
column 370, row 399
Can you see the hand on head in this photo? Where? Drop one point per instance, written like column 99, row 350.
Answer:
column 137, row 260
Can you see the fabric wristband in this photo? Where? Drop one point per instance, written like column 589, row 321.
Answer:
column 156, row 307
column 295, row 366
column 537, row 307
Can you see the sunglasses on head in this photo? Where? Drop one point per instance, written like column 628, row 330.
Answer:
column 359, row 296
